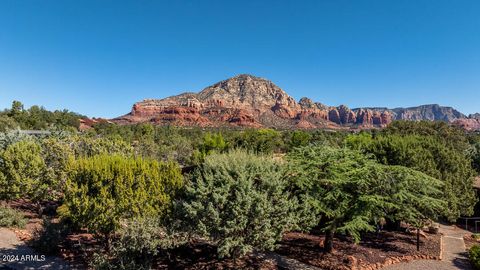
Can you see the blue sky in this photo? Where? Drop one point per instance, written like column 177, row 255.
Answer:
column 99, row 57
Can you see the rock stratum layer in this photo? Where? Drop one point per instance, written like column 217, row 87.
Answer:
column 249, row 101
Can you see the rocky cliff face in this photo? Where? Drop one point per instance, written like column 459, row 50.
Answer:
column 250, row 101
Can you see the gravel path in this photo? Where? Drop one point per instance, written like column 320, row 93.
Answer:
column 454, row 255
column 16, row 255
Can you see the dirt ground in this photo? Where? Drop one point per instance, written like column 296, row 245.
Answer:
column 372, row 249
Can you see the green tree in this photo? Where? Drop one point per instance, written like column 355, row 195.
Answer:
column 84, row 146
column 349, row 191
column 57, row 155
column 239, row 201
column 102, row 190
column 298, row 138
column 17, row 108
column 260, row 140
column 7, row 123
column 430, row 155
column 474, row 151
column 21, row 171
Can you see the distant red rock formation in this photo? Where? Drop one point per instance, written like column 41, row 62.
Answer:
column 88, row 123
column 249, row 101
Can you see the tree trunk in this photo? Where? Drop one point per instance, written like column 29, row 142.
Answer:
column 328, row 244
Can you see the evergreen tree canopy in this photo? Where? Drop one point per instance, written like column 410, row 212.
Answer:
column 239, row 202
column 103, row 189
column 349, row 190
column 22, row 171
column 37, row 118
column 431, row 156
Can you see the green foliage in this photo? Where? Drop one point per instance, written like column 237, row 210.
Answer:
column 37, row 118
column 84, row 146
column 429, row 154
column 451, row 136
column 297, row 138
column 349, row 190
column 49, row 236
column 57, row 154
column 327, row 137
column 22, row 172
column 474, row 152
column 213, row 143
column 103, row 189
column 260, row 140
column 239, row 201
column 417, row 197
column 7, row 123
column 136, row 244
column 474, row 256
column 11, row 137
column 11, row 218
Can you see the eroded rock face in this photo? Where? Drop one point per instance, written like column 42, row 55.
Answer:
column 470, row 124
column 249, row 101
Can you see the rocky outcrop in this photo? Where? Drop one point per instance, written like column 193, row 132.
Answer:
column 470, row 124
column 249, row 101
column 88, row 123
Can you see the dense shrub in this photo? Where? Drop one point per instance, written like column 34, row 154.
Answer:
column 239, row 202
column 102, row 190
column 84, row 146
column 56, row 154
column 260, row 140
column 11, row 137
column 37, row 118
column 474, row 256
column 11, row 218
column 22, row 171
column 135, row 246
column 7, row 123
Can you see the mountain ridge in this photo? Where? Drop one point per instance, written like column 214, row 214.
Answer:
column 249, row 101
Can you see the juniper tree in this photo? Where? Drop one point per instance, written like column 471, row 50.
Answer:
column 56, row 154
column 102, row 190
column 349, row 190
column 22, row 170
column 239, row 202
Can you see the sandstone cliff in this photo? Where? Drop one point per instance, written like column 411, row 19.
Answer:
column 249, row 101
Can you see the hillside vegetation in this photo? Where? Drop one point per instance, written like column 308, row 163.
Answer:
column 142, row 189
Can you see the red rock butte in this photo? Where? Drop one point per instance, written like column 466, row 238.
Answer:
column 249, row 101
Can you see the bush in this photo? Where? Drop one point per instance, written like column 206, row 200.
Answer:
column 102, row 190
column 474, row 255
column 48, row 238
column 87, row 147
column 11, row 218
column 239, row 202
column 260, row 140
column 135, row 246
column 22, row 171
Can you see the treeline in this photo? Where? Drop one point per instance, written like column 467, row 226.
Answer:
column 37, row 118
column 145, row 189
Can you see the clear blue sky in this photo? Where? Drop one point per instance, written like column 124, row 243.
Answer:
column 98, row 57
